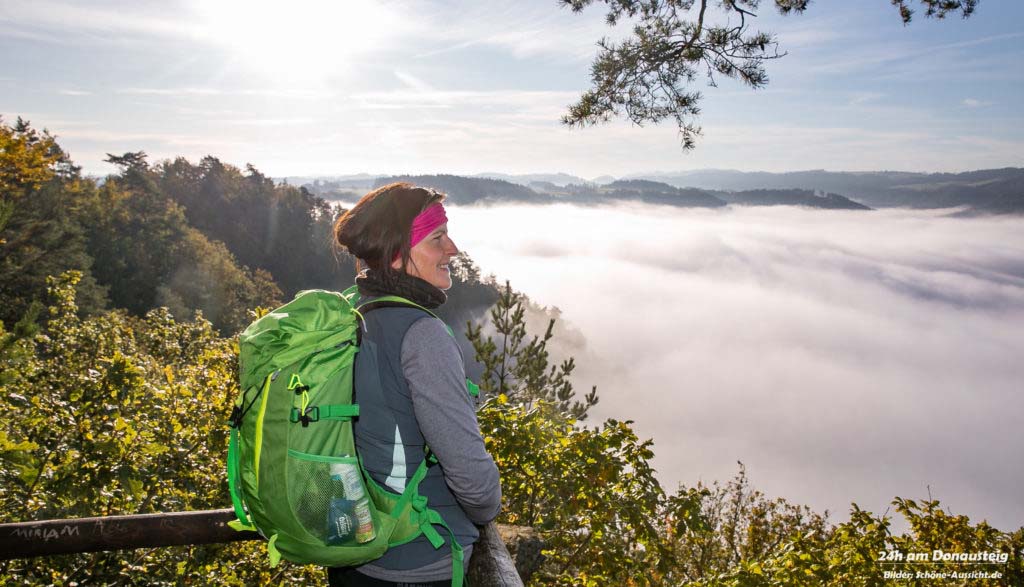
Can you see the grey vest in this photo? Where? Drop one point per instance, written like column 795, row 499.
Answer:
column 388, row 437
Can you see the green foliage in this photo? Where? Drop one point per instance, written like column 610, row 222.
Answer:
column 732, row 536
column 935, row 8
column 127, row 238
column 149, row 255
column 203, row 237
column 28, row 159
column 715, row 529
column 207, row 279
column 39, row 232
column 283, row 230
column 518, row 369
column 648, row 76
column 591, row 493
column 120, row 415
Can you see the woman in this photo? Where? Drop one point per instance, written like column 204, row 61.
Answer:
column 410, row 382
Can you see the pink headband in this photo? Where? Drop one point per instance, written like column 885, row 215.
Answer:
column 426, row 222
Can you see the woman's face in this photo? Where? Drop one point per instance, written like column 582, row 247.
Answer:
column 429, row 259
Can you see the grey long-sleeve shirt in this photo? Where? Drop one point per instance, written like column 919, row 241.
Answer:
column 433, row 367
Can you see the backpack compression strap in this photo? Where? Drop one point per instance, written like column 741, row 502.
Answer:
column 242, row 523
column 428, row 517
column 233, row 462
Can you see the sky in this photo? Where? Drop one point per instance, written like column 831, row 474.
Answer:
column 842, row 356
column 331, row 88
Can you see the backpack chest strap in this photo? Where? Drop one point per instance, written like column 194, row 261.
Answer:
column 336, row 412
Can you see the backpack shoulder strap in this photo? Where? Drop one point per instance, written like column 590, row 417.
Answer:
column 397, row 302
column 391, row 302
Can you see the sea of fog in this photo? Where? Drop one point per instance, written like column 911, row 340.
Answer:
column 843, row 356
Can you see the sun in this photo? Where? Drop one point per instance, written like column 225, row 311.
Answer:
column 297, row 40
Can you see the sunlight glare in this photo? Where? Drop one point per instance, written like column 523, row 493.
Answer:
column 301, row 40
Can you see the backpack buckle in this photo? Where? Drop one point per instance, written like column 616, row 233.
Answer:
column 312, row 414
column 235, row 419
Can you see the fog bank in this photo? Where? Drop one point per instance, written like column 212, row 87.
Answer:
column 842, row 356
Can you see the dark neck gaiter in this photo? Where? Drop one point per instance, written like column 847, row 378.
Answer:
column 395, row 283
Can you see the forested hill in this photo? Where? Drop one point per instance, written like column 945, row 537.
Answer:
column 558, row 179
column 661, row 193
column 204, row 236
column 482, row 190
column 651, row 192
column 790, row 197
column 993, row 191
column 471, row 190
column 988, row 191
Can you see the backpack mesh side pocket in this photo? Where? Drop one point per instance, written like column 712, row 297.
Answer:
column 329, row 500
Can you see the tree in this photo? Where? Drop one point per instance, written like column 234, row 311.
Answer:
column 207, row 279
column 149, row 254
column 591, row 493
column 518, row 369
column 648, row 77
column 714, row 530
column 28, row 159
column 40, row 230
column 282, row 229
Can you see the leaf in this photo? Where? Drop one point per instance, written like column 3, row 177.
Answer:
column 154, row 449
column 6, row 444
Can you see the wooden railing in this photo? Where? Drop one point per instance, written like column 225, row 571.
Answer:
column 490, row 566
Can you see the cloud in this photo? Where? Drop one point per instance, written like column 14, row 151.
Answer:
column 180, row 92
column 426, row 97
column 68, row 22
column 903, row 59
column 172, row 91
column 843, row 356
column 808, row 37
column 158, row 145
column 859, row 98
column 975, row 103
column 298, row 121
column 413, row 83
column 523, row 31
column 74, row 93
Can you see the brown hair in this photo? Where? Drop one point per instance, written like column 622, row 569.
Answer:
column 379, row 225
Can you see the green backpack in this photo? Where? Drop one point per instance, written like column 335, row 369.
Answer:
column 293, row 471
